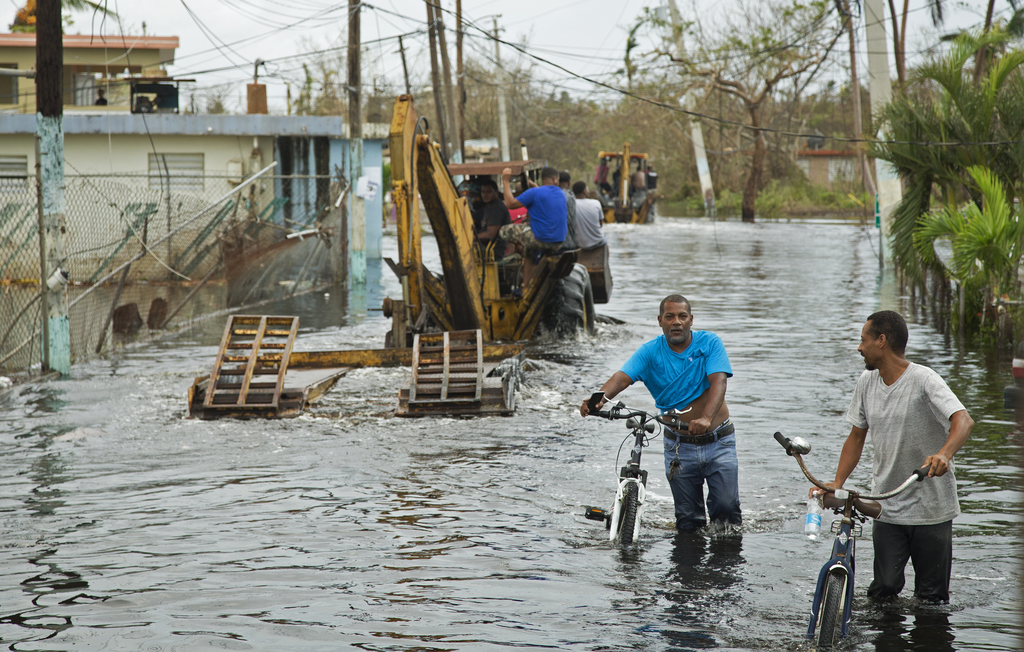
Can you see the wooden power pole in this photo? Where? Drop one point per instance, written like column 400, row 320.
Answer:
column 460, row 85
column 446, row 72
column 499, row 90
column 435, row 76
column 357, row 216
column 56, row 329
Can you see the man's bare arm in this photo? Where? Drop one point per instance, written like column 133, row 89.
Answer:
column 960, row 427
column 510, row 202
column 618, row 382
column 489, row 233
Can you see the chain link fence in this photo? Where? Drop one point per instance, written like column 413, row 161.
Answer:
column 139, row 250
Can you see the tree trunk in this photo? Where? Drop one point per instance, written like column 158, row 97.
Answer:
column 896, row 50
column 981, row 55
column 756, row 163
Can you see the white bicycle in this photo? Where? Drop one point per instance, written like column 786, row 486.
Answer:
column 623, row 522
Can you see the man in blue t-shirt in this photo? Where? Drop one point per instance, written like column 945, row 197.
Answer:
column 548, row 218
column 686, row 370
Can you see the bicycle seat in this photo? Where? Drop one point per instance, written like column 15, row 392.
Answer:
column 871, row 508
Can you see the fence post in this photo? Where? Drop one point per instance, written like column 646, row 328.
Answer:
column 43, row 290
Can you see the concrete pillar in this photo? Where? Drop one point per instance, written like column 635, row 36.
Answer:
column 880, row 86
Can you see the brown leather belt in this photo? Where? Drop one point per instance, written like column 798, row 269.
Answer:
column 723, row 430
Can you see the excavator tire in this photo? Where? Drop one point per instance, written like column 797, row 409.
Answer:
column 570, row 307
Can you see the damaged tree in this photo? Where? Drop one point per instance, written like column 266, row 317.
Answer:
column 750, row 57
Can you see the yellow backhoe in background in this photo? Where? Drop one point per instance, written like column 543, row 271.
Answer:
column 627, row 192
column 473, row 291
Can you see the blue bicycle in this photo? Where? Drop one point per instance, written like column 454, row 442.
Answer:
column 833, row 596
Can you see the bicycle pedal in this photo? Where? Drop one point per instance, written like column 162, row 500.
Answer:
column 595, row 514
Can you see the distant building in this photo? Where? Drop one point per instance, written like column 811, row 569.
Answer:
column 830, row 168
column 482, row 150
column 91, row 63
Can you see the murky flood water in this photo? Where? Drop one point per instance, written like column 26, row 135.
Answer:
column 124, row 526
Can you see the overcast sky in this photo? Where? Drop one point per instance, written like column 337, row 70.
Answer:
column 220, row 39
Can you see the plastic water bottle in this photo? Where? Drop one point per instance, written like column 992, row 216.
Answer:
column 812, row 521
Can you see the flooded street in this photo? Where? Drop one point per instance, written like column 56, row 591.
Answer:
column 125, row 526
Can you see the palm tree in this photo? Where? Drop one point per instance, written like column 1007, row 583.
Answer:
column 986, row 242
column 945, row 104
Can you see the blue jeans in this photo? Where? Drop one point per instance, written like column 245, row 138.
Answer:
column 688, row 466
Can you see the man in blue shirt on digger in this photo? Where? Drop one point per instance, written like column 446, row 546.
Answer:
column 687, row 370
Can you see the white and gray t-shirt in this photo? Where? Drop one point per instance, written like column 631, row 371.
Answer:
column 907, row 422
column 589, row 216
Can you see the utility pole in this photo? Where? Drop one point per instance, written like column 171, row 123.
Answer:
column 405, row 68
column 499, row 89
column 858, row 120
column 56, row 342
column 889, row 189
column 707, row 189
column 435, row 76
column 357, row 216
column 460, row 85
column 446, row 71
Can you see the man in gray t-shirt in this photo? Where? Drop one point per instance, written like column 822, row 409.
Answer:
column 915, row 421
column 588, row 218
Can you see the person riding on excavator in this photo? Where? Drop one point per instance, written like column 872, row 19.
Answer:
column 547, row 225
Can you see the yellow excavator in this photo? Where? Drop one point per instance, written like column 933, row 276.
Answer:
column 626, row 191
column 473, row 291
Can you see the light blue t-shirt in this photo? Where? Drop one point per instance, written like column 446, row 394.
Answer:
column 676, row 379
column 549, row 213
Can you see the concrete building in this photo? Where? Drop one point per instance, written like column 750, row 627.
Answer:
column 204, row 155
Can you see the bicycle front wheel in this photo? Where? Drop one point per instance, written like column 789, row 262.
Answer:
column 830, row 621
column 630, row 509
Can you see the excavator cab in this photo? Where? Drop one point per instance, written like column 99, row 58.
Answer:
column 626, row 185
column 472, row 290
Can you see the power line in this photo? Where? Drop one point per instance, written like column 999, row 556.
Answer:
column 695, row 114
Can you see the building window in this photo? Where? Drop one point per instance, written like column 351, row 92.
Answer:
column 178, row 172
column 13, row 172
column 8, row 85
column 86, row 86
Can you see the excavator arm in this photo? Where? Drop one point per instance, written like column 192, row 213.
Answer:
column 417, row 168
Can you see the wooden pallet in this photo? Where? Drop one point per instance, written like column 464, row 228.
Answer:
column 451, row 375
column 253, row 348
column 447, row 368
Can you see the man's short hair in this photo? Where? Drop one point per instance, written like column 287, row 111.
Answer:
column 489, row 183
column 549, row 173
column 891, row 324
column 579, row 187
column 674, row 298
column 564, row 177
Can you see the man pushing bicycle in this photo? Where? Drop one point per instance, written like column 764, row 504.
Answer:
column 687, row 370
column 915, row 421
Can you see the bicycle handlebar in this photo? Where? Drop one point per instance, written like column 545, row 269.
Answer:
column 621, row 411
column 799, row 447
